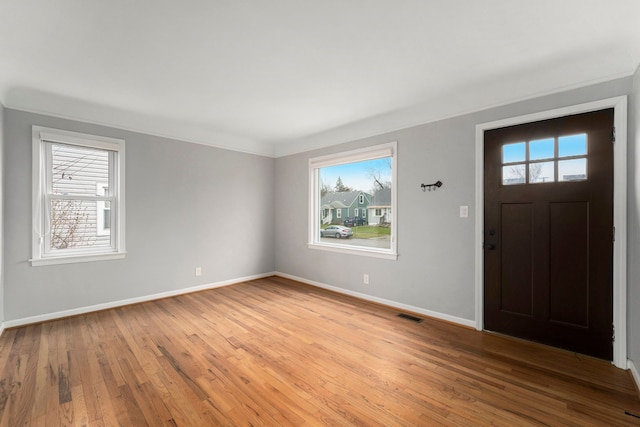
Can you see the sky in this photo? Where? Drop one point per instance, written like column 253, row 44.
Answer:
column 357, row 175
column 573, row 145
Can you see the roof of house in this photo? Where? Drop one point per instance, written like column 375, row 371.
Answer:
column 340, row 200
column 381, row 198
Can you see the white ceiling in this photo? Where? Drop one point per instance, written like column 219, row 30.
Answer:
column 275, row 77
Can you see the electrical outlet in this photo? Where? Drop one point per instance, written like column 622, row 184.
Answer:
column 198, row 271
column 464, row 211
column 365, row 279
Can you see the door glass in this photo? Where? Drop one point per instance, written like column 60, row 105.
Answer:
column 536, row 161
column 572, row 170
column 573, row 145
column 541, row 149
column 514, row 174
column 541, row 172
column 512, row 153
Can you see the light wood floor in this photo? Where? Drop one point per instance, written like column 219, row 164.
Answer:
column 275, row 352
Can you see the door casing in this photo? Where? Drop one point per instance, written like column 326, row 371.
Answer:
column 619, row 104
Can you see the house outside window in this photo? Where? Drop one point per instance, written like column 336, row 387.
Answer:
column 380, row 208
column 103, row 211
column 78, row 197
column 348, row 180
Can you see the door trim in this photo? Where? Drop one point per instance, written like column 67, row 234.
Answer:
column 619, row 104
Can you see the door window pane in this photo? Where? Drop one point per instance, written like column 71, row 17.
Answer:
column 513, row 174
column 572, row 170
column 514, row 152
column 541, row 172
column 573, row 145
column 541, row 149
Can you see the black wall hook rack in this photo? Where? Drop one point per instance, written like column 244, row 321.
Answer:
column 430, row 187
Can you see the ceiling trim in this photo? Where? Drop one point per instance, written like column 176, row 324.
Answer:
column 202, row 135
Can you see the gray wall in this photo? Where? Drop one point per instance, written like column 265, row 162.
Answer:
column 187, row 206
column 435, row 267
column 1, row 214
column 634, row 223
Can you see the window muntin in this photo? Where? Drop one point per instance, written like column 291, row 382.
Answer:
column 340, row 182
column 553, row 159
column 78, row 204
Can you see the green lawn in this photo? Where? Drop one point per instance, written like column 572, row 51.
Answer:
column 370, row 231
column 367, row 231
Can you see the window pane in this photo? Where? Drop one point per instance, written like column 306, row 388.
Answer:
column 572, row 170
column 74, row 224
column 355, row 202
column 541, row 149
column 541, row 172
column 574, row 145
column 514, row 152
column 77, row 170
column 514, row 174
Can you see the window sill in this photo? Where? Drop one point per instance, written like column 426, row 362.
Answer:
column 354, row 251
column 37, row 262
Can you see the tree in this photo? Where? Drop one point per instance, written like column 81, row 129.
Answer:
column 535, row 169
column 68, row 221
column 340, row 187
column 379, row 183
column 324, row 189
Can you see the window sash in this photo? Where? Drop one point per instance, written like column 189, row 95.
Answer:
column 44, row 253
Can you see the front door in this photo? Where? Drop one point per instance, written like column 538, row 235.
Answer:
column 548, row 232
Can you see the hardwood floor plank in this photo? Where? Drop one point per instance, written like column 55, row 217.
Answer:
column 276, row 352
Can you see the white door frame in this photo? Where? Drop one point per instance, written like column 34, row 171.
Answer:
column 619, row 104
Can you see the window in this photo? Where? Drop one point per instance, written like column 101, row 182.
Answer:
column 550, row 159
column 78, row 197
column 354, row 180
column 338, row 213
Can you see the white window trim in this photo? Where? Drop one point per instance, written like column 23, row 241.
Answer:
column 369, row 153
column 40, row 135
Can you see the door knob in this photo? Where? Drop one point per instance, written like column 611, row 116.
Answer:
column 489, row 246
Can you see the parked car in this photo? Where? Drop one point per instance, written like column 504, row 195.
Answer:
column 350, row 222
column 336, row 231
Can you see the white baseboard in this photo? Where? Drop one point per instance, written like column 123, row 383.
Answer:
column 395, row 304
column 105, row 306
column 634, row 373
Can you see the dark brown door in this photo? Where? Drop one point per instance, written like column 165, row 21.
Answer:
column 548, row 232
